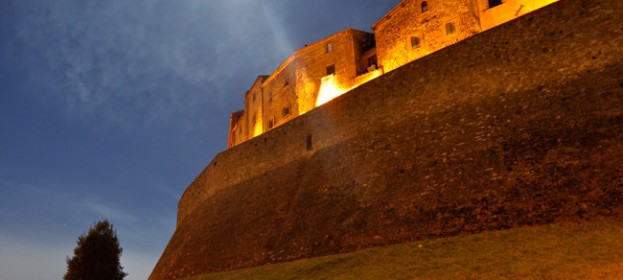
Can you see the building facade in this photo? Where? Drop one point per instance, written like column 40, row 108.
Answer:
column 416, row 28
column 330, row 66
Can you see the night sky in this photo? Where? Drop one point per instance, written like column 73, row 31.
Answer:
column 109, row 109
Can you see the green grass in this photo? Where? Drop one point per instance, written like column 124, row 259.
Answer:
column 559, row 251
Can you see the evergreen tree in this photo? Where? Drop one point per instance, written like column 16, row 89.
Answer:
column 97, row 255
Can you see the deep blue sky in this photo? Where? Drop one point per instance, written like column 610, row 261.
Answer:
column 109, row 109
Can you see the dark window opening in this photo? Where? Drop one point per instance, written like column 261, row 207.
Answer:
column 424, row 7
column 330, row 70
column 415, row 42
column 493, row 3
column 285, row 111
column 254, row 97
column 309, row 142
column 367, row 43
column 271, row 123
column 450, row 28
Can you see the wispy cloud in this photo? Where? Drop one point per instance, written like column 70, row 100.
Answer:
column 278, row 29
column 104, row 211
column 144, row 62
column 154, row 62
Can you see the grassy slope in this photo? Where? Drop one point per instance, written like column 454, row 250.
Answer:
column 560, row 251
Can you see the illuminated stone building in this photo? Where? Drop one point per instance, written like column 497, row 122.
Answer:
column 331, row 66
column 416, row 28
column 325, row 69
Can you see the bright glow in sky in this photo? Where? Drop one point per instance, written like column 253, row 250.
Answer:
column 109, row 109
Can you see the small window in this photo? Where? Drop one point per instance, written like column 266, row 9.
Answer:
column 424, row 7
column 287, row 83
column 254, row 97
column 271, row 123
column 285, row 111
column 450, row 28
column 415, row 42
column 330, row 70
column 329, row 47
column 309, row 142
column 493, row 3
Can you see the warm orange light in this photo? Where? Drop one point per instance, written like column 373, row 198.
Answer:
column 257, row 129
column 329, row 90
column 306, row 99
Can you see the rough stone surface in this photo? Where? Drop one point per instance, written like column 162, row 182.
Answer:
column 394, row 31
column 294, row 86
column 519, row 125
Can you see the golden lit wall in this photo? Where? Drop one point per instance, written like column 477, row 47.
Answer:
column 395, row 32
column 253, row 109
column 314, row 60
column 508, row 10
column 280, row 95
column 237, row 124
column 439, row 24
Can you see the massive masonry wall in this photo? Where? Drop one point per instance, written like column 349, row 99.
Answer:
column 519, row 125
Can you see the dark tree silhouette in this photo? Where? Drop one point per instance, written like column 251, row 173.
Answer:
column 97, row 255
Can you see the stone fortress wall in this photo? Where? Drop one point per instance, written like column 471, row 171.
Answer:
column 519, row 125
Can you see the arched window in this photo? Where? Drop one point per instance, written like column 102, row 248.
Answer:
column 424, row 6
